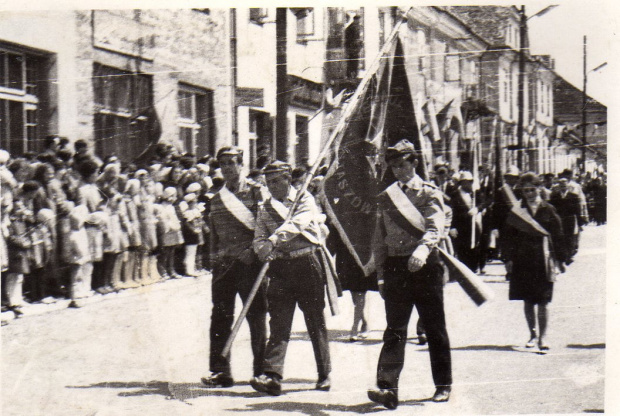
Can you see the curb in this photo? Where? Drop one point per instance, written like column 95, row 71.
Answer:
column 34, row 309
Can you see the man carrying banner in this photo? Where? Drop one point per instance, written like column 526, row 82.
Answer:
column 296, row 276
column 409, row 274
column 235, row 266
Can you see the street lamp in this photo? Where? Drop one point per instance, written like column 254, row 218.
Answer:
column 521, row 79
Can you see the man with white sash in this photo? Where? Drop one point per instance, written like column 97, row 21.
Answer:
column 296, row 276
column 232, row 220
column 467, row 205
column 409, row 223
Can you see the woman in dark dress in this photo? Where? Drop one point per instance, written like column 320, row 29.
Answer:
column 534, row 258
column 352, row 278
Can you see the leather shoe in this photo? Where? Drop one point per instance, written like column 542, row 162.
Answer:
column 266, row 384
column 442, row 394
column 386, row 397
column 218, row 380
column 324, row 384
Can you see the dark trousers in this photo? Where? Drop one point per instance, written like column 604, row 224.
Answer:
column 469, row 256
column 229, row 279
column 297, row 281
column 403, row 291
column 37, row 284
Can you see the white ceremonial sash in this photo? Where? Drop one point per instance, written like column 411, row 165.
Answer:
column 237, row 208
column 509, row 194
column 282, row 212
column 279, row 207
column 405, row 207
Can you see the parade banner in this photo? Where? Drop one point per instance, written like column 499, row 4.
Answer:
column 383, row 115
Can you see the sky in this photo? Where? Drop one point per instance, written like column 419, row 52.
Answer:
column 560, row 33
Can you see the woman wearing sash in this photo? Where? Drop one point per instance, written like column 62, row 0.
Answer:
column 532, row 257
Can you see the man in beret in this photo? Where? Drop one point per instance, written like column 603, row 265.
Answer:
column 232, row 221
column 296, row 276
column 408, row 229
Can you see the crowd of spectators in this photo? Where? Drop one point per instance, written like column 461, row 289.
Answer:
column 74, row 225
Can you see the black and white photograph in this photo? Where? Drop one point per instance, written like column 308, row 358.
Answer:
column 344, row 209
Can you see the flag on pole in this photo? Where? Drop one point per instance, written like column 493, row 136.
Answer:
column 380, row 114
column 429, row 121
column 383, row 115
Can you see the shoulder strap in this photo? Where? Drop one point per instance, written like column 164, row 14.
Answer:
column 237, row 208
column 520, row 218
column 278, row 212
column 402, row 211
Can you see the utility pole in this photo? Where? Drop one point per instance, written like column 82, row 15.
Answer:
column 233, row 75
column 584, row 139
column 521, row 87
column 282, row 95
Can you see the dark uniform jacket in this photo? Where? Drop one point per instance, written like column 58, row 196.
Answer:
column 569, row 210
column 394, row 240
column 230, row 236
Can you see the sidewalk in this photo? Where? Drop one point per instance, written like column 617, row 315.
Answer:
column 31, row 309
column 494, row 273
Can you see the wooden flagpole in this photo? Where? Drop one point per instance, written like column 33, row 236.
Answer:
column 349, row 110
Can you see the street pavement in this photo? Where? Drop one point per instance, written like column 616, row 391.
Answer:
column 143, row 351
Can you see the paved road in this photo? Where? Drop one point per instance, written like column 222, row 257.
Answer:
column 143, row 353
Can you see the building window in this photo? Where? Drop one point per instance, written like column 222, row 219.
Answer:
column 19, row 101
column 305, row 22
column 258, row 15
column 302, row 149
column 354, row 45
column 195, row 120
column 125, row 120
column 261, row 136
column 382, row 17
column 511, row 92
column 504, row 84
column 452, row 66
column 422, row 51
column 438, row 54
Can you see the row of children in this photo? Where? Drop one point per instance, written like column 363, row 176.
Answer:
column 73, row 226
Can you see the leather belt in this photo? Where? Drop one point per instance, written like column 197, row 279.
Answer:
column 297, row 253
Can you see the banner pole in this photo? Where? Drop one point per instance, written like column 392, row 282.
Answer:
column 338, row 131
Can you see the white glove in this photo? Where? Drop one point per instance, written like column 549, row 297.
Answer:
column 472, row 212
